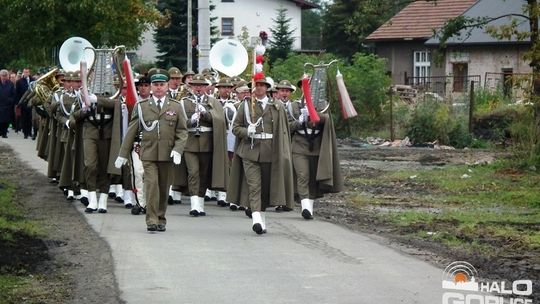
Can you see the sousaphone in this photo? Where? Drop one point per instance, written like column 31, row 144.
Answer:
column 229, row 57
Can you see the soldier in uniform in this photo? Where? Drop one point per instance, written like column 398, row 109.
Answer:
column 175, row 81
column 205, row 153
column 97, row 132
column 54, row 145
column 224, row 87
column 64, row 110
column 164, row 135
column 314, row 150
column 262, row 156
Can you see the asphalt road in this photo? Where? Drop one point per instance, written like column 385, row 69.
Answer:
column 218, row 259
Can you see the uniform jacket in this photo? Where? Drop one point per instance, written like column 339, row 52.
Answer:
column 170, row 132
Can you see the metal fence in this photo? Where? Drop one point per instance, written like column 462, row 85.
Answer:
column 443, row 85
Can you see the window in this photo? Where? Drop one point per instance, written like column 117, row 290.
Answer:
column 421, row 66
column 227, row 26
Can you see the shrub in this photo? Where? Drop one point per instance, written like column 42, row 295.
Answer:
column 430, row 121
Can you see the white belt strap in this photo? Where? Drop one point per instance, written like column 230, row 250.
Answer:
column 200, row 129
column 104, row 116
column 263, row 136
column 304, row 132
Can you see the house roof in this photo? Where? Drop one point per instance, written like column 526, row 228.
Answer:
column 493, row 9
column 419, row 19
column 304, row 4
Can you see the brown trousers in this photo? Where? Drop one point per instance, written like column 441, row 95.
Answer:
column 199, row 169
column 96, row 159
column 258, row 176
column 156, row 188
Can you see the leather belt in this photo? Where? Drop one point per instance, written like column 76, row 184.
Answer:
column 106, row 116
column 200, row 129
column 304, row 132
column 263, row 136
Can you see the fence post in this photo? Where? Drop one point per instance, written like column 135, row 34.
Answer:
column 392, row 137
column 471, row 108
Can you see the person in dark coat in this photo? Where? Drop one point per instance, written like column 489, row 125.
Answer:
column 26, row 111
column 7, row 102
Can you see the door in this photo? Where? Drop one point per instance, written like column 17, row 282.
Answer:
column 459, row 71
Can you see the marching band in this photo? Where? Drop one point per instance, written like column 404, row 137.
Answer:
column 245, row 144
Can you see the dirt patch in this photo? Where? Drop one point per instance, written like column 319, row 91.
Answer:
column 19, row 253
column 71, row 256
column 500, row 262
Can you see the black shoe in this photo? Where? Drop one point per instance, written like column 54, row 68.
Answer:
column 222, row 203
column 177, row 202
column 248, row 212
column 286, row 209
column 233, row 207
column 170, row 201
column 65, row 192
column 202, row 213
column 161, row 227
column 136, row 210
column 84, row 201
column 279, row 208
column 207, row 198
column 241, row 208
column 33, row 138
column 112, row 195
column 118, row 199
column 4, row 136
column 70, row 198
column 90, row 210
column 26, row 137
column 128, row 206
column 194, row 213
column 306, row 214
column 257, row 228
column 102, row 210
column 143, row 210
column 151, row 227
column 213, row 198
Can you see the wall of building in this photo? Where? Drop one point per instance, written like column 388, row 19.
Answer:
column 257, row 16
column 399, row 56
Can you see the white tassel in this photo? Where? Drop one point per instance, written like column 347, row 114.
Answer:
column 347, row 107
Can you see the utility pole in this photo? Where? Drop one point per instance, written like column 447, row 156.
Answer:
column 204, row 33
column 189, row 36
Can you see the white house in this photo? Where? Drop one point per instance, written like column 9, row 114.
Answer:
column 232, row 15
column 256, row 16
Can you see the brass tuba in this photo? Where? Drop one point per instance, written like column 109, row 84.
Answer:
column 44, row 87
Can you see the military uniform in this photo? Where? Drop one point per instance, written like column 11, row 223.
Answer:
column 205, row 153
column 164, row 134
column 97, row 132
column 315, row 157
column 262, row 159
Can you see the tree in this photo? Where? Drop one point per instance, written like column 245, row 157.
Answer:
column 171, row 37
column 38, row 27
column 282, row 40
column 312, row 27
column 348, row 22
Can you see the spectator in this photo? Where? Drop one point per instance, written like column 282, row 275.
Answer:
column 26, row 110
column 7, row 99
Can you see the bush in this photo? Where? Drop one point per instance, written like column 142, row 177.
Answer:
column 430, row 121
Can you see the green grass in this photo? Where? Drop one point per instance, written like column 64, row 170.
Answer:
column 495, row 205
column 31, row 289
column 12, row 214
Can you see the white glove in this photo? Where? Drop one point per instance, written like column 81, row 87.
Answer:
column 177, row 158
column 251, row 129
column 119, row 162
column 201, row 108
column 92, row 98
column 302, row 118
column 195, row 117
column 67, row 124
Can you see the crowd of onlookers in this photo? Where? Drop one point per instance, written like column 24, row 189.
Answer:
column 13, row 114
